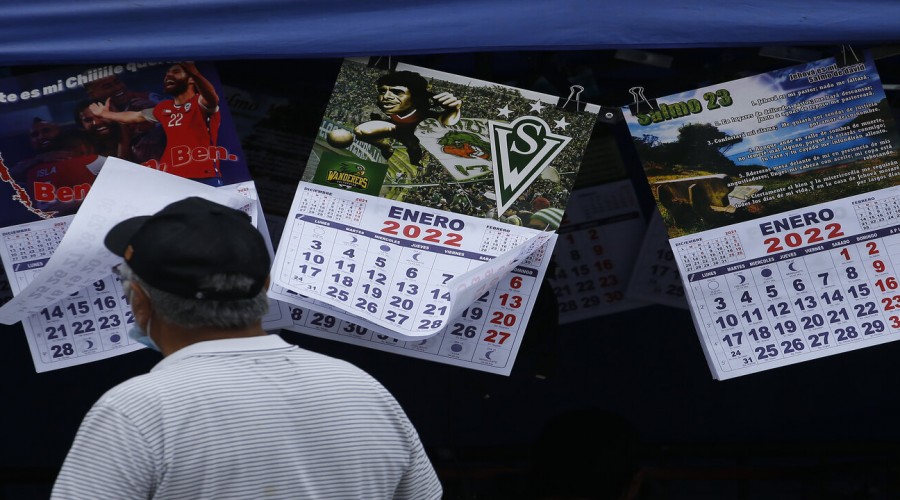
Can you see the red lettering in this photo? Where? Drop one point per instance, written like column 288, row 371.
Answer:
column 65, row 194
column 218, row 152
column 43, row 191
column 200, row 154
column 180, row 155
column 81, row 190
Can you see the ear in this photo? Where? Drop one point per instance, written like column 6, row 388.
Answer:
column 141, row 306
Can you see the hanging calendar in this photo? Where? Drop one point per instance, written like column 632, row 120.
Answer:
column 778, row 193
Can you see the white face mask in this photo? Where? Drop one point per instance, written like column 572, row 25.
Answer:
column 141, row 336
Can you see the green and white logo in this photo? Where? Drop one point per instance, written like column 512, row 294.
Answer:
column 522, row 149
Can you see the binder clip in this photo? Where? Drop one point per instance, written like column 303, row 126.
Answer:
column 382, row 62
column 638, row 94
column 572, row 103
column 844, row 59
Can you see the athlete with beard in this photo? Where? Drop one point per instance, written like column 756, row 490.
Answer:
column 190, row 120
column 110, row 138
column 405, row 98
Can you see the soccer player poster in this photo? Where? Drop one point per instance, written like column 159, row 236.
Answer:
column 451, row 143
column 58, row 126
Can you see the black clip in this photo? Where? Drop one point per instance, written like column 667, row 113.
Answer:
column 572, row 103
column 635, row 107
column 383, row 62
column 842, row 59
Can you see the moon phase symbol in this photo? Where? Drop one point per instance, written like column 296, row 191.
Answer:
column 355, row 239
column 488, row 355
column 766, row 273
column 713, row 284
column 456, row 347
column 791, row 266
column 384, row 248
column 318, row 231
column 416, row 257
column 743, row 279
column 423, row 342
column 89, row 344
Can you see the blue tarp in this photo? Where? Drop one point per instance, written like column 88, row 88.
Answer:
column 57, row 31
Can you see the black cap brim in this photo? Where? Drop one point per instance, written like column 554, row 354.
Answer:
column 119, row 237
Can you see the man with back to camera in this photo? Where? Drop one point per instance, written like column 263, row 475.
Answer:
column 231, row 412
column 190, row 120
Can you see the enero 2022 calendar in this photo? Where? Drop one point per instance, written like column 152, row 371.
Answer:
column 416, row 179
column 779, row 195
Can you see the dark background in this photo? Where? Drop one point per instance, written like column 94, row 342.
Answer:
column 822, row 429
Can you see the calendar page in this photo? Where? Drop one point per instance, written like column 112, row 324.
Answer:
column 485, row 336
column 655, row 278
column 778, row 192
column 383, row 267
column 424, row 218
column 598, row 242
column 71, row 306
column 796, row 286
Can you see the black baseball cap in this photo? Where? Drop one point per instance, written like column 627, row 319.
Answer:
column 177, row 248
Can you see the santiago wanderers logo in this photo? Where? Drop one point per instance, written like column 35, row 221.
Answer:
column 522, row 149
column 349, row 175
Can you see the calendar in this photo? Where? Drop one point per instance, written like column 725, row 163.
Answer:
column 598, row 242
column 402, row 278
column 814, row 282
column 655, row 278
column 419, row 224
column 485, row 336
column 72, row 308
column 779, row 194
column 89, row 324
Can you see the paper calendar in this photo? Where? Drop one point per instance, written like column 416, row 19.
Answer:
column 598, row 243
column 778, row 193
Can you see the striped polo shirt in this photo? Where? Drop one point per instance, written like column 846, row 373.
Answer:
column 244, row 419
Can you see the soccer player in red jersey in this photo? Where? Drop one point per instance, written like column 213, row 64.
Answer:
column 191, row 123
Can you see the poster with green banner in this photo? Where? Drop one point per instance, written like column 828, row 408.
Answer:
column 450, row 143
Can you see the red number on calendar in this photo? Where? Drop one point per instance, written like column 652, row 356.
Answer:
column 794, row 240
column 891, row 303
column 895, row 321
column 503, row 319
column 415, row 232
column 873, row 248
column 493, row 334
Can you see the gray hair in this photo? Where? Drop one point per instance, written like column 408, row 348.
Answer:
column 193, row 313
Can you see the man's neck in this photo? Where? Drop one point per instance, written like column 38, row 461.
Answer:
column 184, row 97
column 175, row 338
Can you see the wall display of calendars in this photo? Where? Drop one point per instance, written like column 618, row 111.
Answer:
column 655, row 278
column 598, row 243
column 779, row 195
column 92, row 323
column 423, row 176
